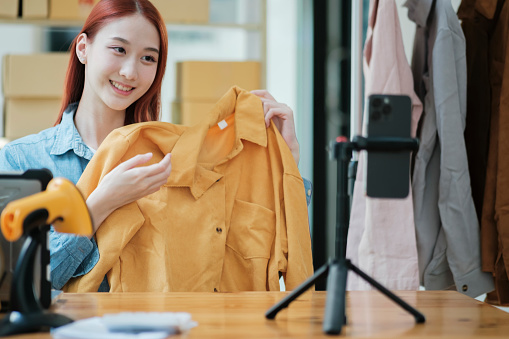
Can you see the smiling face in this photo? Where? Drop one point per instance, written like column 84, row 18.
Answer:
column 120, row 63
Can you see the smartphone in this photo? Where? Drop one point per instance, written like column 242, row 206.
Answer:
column 388, row 172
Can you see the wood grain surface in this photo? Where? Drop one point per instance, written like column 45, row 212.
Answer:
column 242, row 315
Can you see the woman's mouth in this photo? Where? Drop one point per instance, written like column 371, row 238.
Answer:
column 121, row 88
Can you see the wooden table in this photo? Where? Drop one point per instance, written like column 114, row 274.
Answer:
column 241, row 315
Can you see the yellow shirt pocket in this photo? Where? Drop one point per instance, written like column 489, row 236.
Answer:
column 252, row 230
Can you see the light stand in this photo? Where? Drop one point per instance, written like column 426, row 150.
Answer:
column 337, row 268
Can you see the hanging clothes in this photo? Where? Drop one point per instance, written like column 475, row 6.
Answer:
column 495, row 218
column 477, row 30
column 447, row 227
column 231, row 217
column 381, row 237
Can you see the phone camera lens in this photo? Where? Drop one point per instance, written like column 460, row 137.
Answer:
column 376, row 115
column 377, row 102
column 386, row 109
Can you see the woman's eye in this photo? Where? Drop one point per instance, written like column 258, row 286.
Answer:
column 119, row 49
column 149, row 58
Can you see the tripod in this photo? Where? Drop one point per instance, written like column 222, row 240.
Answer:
column 337, row 268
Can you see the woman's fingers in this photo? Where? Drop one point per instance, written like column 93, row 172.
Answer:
column 135, row 161
column 156, row 175
column 162, row 167
column 276, row 110
column 127, row 183
column 160, row 173
column 282, row 116
column 263, row 93
column 268, row 104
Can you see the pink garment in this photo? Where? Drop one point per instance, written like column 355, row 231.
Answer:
column 381, row 238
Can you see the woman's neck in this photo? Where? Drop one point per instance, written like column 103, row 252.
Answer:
column 94, row 123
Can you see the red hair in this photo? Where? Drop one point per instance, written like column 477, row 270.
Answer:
column 146, row 108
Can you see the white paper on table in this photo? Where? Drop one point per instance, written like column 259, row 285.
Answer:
column 136, row 325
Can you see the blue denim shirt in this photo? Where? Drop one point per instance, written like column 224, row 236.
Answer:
column 61, row 150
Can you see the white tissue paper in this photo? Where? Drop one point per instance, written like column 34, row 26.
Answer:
column 139, row 325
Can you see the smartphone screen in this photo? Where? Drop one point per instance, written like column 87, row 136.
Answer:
column 388, row 172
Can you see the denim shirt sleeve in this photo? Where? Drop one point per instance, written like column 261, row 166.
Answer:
column 308, row 186
column 8, row 161
column 71, row 256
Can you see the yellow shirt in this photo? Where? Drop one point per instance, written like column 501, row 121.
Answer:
column 231, row 216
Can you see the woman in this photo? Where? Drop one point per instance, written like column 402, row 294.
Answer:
column 114, row 78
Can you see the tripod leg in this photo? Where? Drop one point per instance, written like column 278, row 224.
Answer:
column 335, row 305
column 419, row 317
column 283, row 303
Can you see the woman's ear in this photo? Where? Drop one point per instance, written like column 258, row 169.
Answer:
column 81, row 47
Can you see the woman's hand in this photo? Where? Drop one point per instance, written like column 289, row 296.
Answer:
column 127, row 183
column 282, row 116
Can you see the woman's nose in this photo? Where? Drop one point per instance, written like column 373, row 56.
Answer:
column 129, row 70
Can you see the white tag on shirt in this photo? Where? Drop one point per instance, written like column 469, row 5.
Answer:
column 222, row 124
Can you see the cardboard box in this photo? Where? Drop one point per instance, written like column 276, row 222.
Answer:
column 34, row 75
column 29, row 116
column 9, row 8
column 208, row 81
column 178, row 11
column 70, row 9
column 183, row 11
column 190, row 113
column 34, row 9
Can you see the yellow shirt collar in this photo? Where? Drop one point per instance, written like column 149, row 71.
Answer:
column 249, row 125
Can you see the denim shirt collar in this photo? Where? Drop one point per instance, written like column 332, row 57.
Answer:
column 67, row 137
